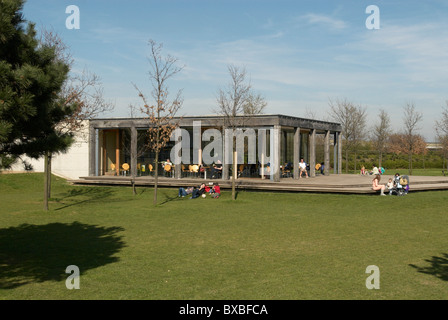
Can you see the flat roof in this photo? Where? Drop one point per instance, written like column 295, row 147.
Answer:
column 218, row 121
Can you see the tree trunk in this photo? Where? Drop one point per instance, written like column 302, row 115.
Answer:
column 234, row 176
column 380, row 159
column 156, row 176
column 346, row 161
column 49, row 174
column 46, row 181
column 410, row 164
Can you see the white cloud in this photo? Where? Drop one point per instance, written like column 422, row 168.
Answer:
column 420, row 51
column 325, row 20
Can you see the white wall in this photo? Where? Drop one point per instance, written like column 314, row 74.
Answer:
column 71, row 165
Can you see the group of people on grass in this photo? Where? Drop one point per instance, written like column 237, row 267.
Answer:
column 215, row 190
column 195, row 192
column 388, row 187
column 374, row 171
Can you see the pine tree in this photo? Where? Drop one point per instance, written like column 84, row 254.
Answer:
column 31, row 78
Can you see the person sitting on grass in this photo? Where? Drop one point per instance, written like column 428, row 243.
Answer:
column 390, row 185
column 363, row 171
column 215, row 192
column 374, row 171
column 198, row 191
column 377, row 186
column 185, row 191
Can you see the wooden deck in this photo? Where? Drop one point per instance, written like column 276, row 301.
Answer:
column 351, row 184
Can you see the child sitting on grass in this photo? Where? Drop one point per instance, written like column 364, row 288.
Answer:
column 215, row 192
column 390, row 185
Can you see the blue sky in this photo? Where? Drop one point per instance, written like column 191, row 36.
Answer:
column 299, row 54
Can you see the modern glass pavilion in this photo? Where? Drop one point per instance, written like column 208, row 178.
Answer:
column 265, row 146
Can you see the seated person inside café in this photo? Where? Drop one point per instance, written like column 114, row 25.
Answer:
column 216, row 169
column 302, row 168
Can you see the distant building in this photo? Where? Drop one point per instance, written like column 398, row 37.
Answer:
column 288, row 139
column 433, row 145
column 116, row 146
column 70, row 165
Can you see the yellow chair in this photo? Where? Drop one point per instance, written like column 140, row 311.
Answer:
column 195, row 169
column 125, row 168
column 112, row 171
column 167, row 169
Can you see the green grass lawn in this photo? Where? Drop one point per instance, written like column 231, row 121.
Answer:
column 425, row 172
column 263, row 246
column 433, row 172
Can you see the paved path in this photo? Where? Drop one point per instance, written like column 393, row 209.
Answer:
column 333, row 183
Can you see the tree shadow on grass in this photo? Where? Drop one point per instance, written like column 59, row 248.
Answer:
column 78, row 196
column 39, row 253
column 438, row 267
column 169, row 199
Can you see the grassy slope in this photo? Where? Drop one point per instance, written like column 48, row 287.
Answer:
column 263, row 246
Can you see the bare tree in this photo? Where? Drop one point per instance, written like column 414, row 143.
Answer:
column 353, row 120
column 134, row 153
column 234, row 97
column 380, row 135
column 398, row 145
column 442, row 131
column 236, row 103
column 82, row 92
column 411, row 120
column 255, row 104
column 312, row 113
column 133, row 110
column 160, row 115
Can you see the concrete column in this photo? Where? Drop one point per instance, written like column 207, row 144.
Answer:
column 178, row 160
column 117, row 152
column 97, row 159
column 296, row 153
column 227, row 147
column 339, row 153
column 133, row 151
column 275, row 163
column 327, row 153
column 312, row 152
column 335, row 153
column 197, row 142
column 92, row 148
